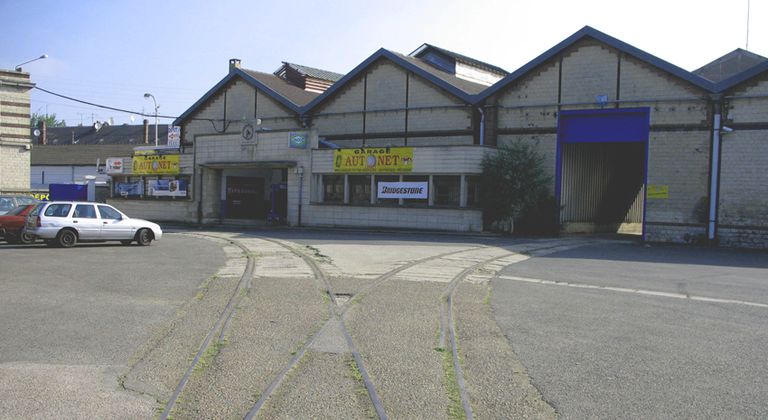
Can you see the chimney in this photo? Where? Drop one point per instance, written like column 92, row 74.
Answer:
column 146, row 131
column 234, row 63
column 43, row 132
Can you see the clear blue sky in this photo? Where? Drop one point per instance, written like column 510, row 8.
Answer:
column 112, row 52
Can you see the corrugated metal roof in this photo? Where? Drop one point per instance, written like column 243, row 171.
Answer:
column 425, row 48
column 471, row 88
column 313, row 72
column 282, row 87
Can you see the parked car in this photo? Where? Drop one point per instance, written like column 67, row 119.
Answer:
column 8, row 202
column 65, row 223
column 12, row 225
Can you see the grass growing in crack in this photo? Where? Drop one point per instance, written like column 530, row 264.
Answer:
column 204, row 287
column 455, row 409
column 487, row 299
column 209, row 355
column 360, row 390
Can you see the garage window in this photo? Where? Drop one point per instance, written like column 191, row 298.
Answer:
column 333, row 188
column 447, row 190
column 359, row 189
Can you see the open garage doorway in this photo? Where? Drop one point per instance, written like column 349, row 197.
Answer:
column 602, row 170
column 252, row 193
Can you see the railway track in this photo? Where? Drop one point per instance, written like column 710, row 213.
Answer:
column 463, row 262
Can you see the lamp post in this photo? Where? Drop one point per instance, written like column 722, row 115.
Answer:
column 18, row 67
column 146, row 96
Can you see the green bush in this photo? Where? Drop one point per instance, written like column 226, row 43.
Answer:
column 514, row 191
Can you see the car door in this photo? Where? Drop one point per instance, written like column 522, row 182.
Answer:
column 86, row 221
column 114, row 226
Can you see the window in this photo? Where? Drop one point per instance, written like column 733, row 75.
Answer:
column 85, row 211
column 359, row 189
column 447, row 190
column 414, row 201
column 58, row 210
column 473, row 191
column 333, row 188
column 109, row 213
column 6, row 204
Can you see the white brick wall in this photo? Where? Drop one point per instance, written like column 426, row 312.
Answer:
column 392, row 217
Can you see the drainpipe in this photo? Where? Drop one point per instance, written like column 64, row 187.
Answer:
column 482, row 125
column 714, row 169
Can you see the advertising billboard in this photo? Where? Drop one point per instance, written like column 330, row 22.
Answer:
column 373, row 159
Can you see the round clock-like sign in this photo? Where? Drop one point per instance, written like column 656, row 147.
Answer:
column 247, row 132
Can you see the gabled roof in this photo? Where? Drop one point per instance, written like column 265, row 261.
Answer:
column 311, row 72
column 132, row 135
column 460, row 88
column 742, row 77
column 588, row 32
column 729, row 65
column 291, row 96
column 426, row 48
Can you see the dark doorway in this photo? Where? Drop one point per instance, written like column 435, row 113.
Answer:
column 601, row 169
column 603, row 187
column 245, row 198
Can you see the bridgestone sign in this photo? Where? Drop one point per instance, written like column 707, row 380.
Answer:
column 405, row 190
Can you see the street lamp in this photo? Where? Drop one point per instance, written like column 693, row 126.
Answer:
column 147, row 96
column 18, row 67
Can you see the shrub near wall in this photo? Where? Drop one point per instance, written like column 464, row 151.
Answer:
column 514, row 190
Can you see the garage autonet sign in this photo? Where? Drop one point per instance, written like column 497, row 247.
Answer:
column 373, row 159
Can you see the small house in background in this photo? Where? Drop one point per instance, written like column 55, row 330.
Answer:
column 67, row 155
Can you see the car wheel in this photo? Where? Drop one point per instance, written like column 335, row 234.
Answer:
column 66, row 238
column 127, row 242
column 26, row 238
column 143, row 237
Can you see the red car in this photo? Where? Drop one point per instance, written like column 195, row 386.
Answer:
column 12, row 225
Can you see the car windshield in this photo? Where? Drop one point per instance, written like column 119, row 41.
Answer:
column 16, row 211
column 35, row 211
column 6, row 203
column 22, row 199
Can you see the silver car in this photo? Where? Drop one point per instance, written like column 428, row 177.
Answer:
column 65, row 223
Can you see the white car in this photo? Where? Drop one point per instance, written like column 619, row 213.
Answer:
column 65, row 223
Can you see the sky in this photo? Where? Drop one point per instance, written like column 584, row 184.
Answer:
column 111, row 53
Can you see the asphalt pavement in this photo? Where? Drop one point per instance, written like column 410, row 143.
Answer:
column 641, row 331
column 71, row 319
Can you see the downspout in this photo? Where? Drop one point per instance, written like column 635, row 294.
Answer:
column 714, row 169
column 482, row 125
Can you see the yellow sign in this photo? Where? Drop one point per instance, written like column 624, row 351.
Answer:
column 658, row 191
column 375, row 159
column 156, row 165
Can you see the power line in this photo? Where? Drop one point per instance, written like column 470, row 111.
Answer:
column 102, row 106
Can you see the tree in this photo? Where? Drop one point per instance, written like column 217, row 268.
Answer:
column 50, row 120
column 514, row 186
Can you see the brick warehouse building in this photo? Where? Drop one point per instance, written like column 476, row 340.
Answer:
column 633, row 143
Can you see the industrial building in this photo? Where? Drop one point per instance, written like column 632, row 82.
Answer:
column 633, row 143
